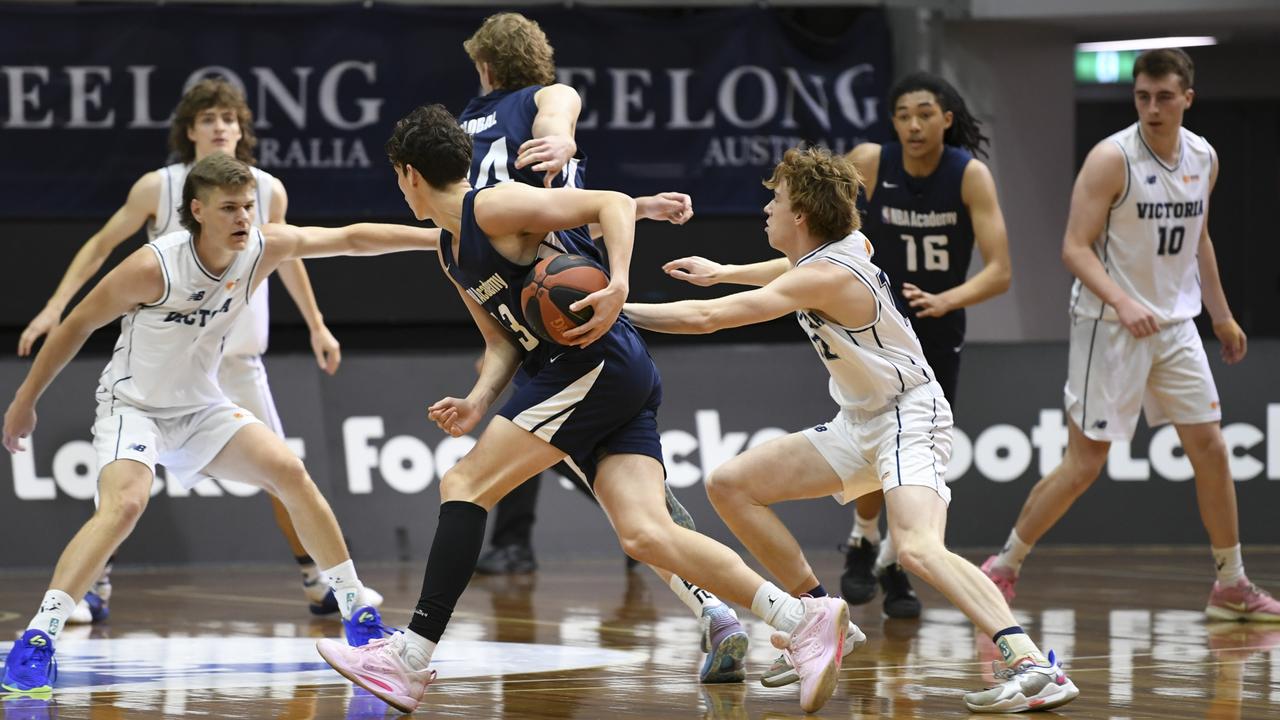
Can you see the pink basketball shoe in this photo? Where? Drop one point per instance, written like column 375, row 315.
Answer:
column 380, row 668
column 816, row 648
column 1242, row 601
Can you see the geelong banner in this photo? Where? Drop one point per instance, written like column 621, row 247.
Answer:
column 705, row 103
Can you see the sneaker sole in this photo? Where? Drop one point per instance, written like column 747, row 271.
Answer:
column 734, row 647
column 831, row 673
column 1218, row 613
column 392, row 700
column 1066, row 693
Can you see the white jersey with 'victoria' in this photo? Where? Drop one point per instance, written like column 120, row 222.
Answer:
column 1150, row 243
column 873, row 364
column 249, row 336
column 165, row 363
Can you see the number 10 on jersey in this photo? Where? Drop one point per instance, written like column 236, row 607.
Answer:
column 933, row 248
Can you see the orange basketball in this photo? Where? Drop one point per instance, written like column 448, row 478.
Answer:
column 554, row 284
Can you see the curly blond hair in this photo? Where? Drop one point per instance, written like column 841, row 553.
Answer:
column 823, row 187
column 516, row 50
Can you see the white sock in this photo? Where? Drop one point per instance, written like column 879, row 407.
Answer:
column 55, row 608
column 417, row 650
column 888, row 553
column 864, row 528
column 695, row 598
column 1230, row 565
column 774, row 606
column 1014, row 552
column 313, row 582
column 346, row 586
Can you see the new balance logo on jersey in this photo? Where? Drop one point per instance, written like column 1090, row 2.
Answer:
column 201, row 316
column 196, row 296
column 1100, row 424
column 1151, row 179
column 820, row 428
column 138, row 447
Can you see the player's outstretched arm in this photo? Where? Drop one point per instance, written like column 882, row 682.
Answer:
column 516, row 209
column 1100, row 184
column 705, row 273
column 459, row 416
column 1232, row 337
column 552, row 145
column 809, row 287
column 978, row 192
column 136, row 281
column 673, row 207
column 138, row 206
column 286, row 242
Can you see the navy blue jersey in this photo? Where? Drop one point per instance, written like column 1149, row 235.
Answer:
column 922, row 233
column 499, row 123
column 588, row 402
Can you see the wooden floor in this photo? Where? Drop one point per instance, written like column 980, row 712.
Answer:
column 236, row 643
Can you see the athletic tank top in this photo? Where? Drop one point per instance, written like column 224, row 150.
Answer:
column 922, row 233
column 1149, row 245
column 873, row 364
column 495, row 282
column 249, row 336
column 499, row 123
column 165, row 363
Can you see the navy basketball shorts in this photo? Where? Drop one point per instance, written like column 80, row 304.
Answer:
column 592, row 403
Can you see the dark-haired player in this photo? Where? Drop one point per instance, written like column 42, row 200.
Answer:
column 1137, row 240
column 592, row 406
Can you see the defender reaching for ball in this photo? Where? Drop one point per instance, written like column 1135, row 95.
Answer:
column 592, row 405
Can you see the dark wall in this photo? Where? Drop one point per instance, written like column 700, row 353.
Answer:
column 1246, row 134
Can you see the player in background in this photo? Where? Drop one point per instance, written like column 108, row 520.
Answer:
column 1137, row 240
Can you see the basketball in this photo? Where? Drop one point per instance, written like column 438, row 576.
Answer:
column 553, row 285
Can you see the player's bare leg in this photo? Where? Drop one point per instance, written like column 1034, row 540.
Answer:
column 1048, row 501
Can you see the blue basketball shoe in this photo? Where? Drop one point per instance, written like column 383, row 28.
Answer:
column 725, row 643
column 30, row 667
column 364, row 626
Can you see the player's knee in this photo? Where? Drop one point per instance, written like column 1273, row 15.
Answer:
column 916, row 549
column 1208, row 446
column 122, row 512
column 459, row 484
column 642, row 541
column 289, row 476
column 723, row 484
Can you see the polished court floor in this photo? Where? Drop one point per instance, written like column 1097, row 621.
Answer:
column 588, row 640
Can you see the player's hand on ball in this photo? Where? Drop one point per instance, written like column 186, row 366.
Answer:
column 1234, row 342
column 19, row 422
column 548, row 154
column 456, row 416
column 606, row 305
column 925, row 304
column 696, row 270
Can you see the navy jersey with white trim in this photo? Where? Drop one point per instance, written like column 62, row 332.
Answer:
column 922, row 232
column 495, row 282
column 499, row 123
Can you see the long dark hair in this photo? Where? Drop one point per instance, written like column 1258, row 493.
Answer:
column 964, row 131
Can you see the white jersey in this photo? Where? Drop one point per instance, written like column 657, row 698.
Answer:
column 165, row 363
column 249, row 336
column 872, row 365
column 1150, row 243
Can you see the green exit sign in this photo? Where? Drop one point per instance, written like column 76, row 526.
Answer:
column 1106, row 66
